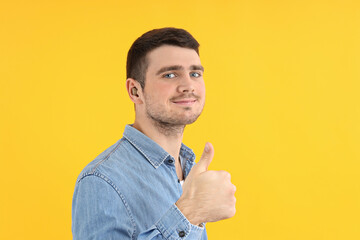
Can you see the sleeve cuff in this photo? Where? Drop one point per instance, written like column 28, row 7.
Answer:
column 174, row 225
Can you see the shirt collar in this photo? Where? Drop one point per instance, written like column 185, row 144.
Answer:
column 152, row 151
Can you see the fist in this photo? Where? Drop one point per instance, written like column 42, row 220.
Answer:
column 208, row 196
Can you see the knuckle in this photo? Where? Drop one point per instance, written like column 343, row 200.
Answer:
column 204, row 157
column 211, row 173
column 231, row 189
column 225, row 174
column 231, row 212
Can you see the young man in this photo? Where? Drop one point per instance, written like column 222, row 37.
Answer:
column 142, row 187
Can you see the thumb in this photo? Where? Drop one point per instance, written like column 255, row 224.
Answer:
column 205, row 159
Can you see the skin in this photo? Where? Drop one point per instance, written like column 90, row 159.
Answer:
column 171, row 99
column 174, row 96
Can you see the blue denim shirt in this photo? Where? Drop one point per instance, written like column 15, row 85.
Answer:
column 129, row 192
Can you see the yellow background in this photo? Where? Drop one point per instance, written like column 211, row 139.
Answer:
column 282, row 108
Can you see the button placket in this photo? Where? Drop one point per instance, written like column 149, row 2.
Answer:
column 170, row 162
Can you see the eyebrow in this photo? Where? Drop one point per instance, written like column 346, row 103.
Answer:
column 178, row 67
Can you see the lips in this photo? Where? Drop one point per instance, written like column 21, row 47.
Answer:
column 185, row 102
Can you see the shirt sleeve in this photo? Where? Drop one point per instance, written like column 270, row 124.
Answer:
column 173, row 225
column 98, row 212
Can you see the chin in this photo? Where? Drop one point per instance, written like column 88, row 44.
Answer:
column 190, row 120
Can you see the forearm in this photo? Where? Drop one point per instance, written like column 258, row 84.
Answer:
column 100, row 213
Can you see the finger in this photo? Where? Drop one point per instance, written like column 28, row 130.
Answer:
column 206, row 157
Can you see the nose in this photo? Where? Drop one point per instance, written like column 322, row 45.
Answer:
column 186, row 85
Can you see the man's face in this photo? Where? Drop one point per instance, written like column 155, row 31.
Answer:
column 174, row 92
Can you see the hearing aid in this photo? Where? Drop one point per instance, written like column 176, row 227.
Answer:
column 134, row 91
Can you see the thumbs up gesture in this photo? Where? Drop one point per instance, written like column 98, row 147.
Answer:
column 208, row 196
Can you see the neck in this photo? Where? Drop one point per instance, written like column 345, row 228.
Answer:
column 168, row 136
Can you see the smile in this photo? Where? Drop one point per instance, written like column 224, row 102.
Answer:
column 185, row 102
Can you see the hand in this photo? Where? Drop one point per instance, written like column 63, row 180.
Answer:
column 208, row 196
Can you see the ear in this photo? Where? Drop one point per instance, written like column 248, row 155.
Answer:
column 134, row 97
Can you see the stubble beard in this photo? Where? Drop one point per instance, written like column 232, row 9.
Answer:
column 169, row 124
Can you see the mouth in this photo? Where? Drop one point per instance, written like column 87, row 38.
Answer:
column 185, row 102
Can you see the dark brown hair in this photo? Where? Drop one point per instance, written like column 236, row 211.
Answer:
column 136, row 65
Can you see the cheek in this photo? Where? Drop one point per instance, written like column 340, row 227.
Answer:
column 163, row 91
column 201, row 88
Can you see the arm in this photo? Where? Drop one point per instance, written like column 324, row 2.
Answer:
column 100, row 212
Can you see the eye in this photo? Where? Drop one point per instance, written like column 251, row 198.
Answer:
column 195, row 74
column 169, row 75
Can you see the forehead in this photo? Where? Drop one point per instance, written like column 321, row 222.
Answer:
column 168, row 55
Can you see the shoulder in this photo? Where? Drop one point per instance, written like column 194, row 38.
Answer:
column 108, row 161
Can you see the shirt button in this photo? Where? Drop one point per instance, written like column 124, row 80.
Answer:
column 170, row 161
column 182, row 234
